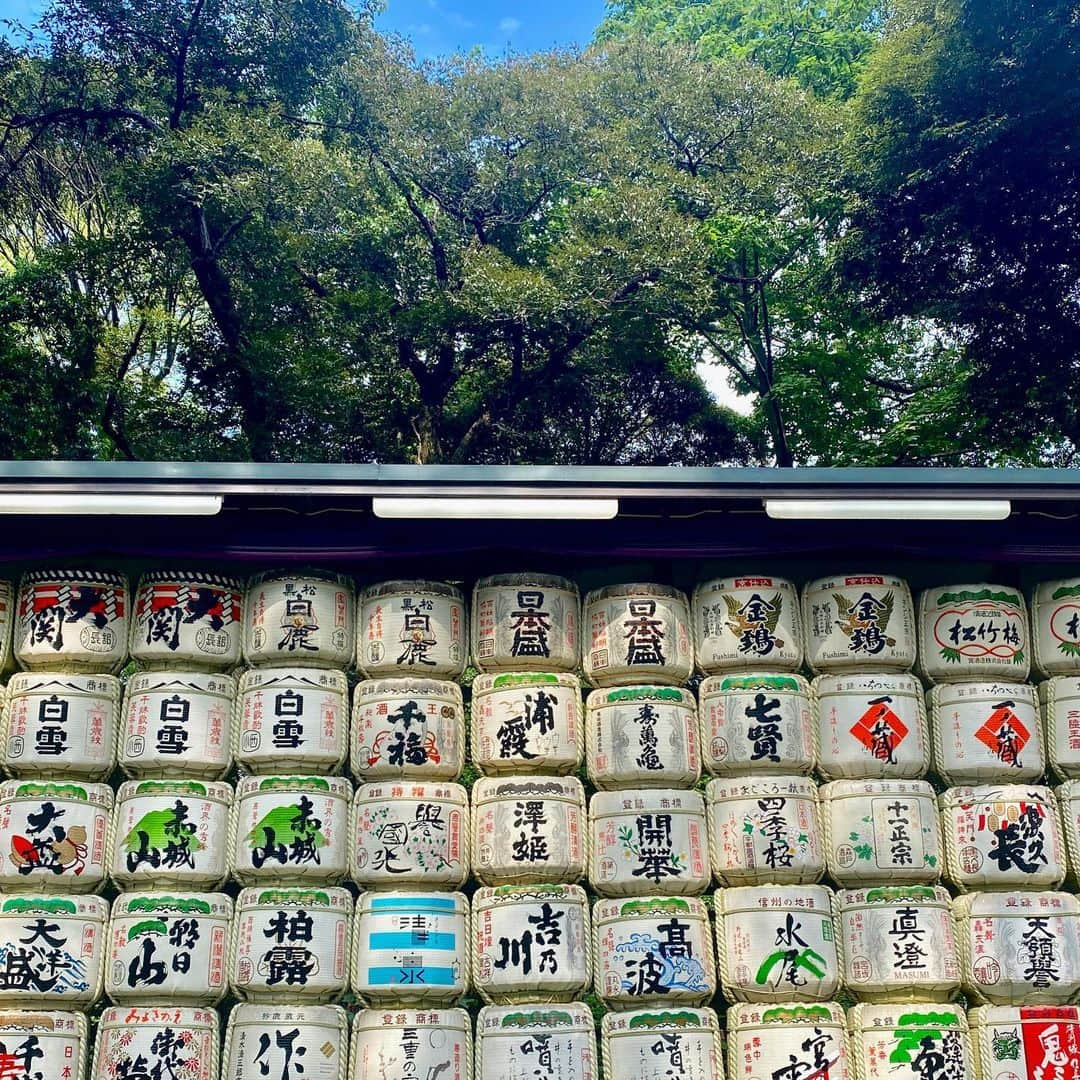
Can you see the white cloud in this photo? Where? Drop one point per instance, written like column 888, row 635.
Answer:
column 509, row 25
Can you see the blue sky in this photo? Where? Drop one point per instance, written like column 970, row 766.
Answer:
column 438, row 27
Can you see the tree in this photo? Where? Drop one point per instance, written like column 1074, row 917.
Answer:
column 964, row 161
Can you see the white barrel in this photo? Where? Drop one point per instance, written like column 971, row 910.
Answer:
column 531, row 943
column 881, row 831
column 411, row 948
column 1055, row 628
column 859, row 622
column 276, row 1042
column 765, row 829
column 1014, row 951
column 654, row 1044
column 410, row 834
column 58, row 724
column 72, row 620
column 871, row 727
column 1002, row 836
column 526, row 622
column 54, row 836
column 412, row 628
column 986, row 731
column 969, row 632
column 302, row 619
column 187, row 619
column 1026, row 1042
column 527, row 722
column 291, row 945
column 645, row 842
column 177, row 724
column 52, row 950
column 528, row 830
column 170, row 833
column 411, row 727
column 44, row 1044
column 291, row 718
column 290, row 829
column 1059, row 705
column 747, row 624
column 778, row 943
column 7, row 624
column 422, row 1043
column 655, row 950
column 175, row 1040
column 899, row 943
column 911, row 1042
column 788, row 1041
column 642, row 736
column 169, row 946
column 1068, row 799
column 756, row 722
column 638, row 633
column 523, row 1042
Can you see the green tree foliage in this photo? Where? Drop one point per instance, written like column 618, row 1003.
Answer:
column 965, row 158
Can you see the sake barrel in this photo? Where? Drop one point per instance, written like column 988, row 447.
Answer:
column 778, row 943
column 412, row 628
column 645, row 842
column 871, row 727
column 1059, row 702
column 53, row 835
column 522, row 1042
column 531, row 943
column 642, row 736
column 757, row 722
column 168, row 946
column 188, row 619
column 44, row 1044
column 747, row 624
column 53, row 950
column 1026, row 1042
column 1055, row 627
column 911, row 1042
column 171, row 1041
column 880, row 831
column 422, row 1043
column 764, row 1041
column 290, row 829
column 859, row 622
column 654, row 1044
column 281, row 1040
column 411, row 947
column 637, row 633
column 302, row 619
column 986, row 731
column 765, row 829
column 528, row 830
column 898, row 943
column 58, row 724
column 291, row 944
column 177, row 724
column 410, row 834
column 527, row 722
column 171, row 833
column 653, row 950
column 526, row 622
column 1003, row 836
column 292, row 718
column 72, row 620
column 1017, row 949
column 1068, row 798
column 972, row 632
column 411, row 727
column 7, row 623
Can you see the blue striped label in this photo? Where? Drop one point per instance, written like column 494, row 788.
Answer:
column 414, row 903
column 413, row 939
column 411, row 976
